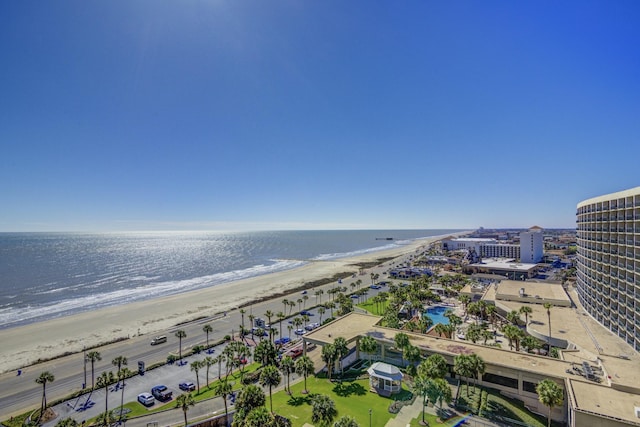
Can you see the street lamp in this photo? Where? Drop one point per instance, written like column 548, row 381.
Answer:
column 84, row 358
column 369, row 417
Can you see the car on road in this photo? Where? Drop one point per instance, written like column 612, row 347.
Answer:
column 312, row 326
column 282, row 341
column 187, row 386
column 146, row 399
column 303, row 292
column 300, row 331
column 306, row 313
column 375, row 286
column 296, row 352
column 161, row 392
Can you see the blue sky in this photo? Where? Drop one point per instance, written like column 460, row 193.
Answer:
column 139, row 115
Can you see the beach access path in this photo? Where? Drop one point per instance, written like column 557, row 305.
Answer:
column 19, row 393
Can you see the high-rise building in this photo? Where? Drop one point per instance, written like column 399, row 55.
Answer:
column 608, row 273
column 531, row 245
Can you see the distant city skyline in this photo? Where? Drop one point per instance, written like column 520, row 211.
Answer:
column 145, row 115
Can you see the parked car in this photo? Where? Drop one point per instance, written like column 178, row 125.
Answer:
column 296, row 352
column 146, row 399
column 299, row 331
column 306, row 312
column 312, row 326
column 187, row 386
column 161, row 392
column 282, row 341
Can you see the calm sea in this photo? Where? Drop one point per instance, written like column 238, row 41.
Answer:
column 48, row 275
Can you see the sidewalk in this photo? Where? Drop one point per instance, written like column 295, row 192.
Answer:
column 406, row 414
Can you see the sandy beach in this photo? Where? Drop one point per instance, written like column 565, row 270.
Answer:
column 24, row 345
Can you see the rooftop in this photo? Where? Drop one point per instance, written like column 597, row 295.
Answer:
column 504, row 264
column 616, row 400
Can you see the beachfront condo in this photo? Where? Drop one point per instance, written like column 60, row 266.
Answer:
column 608, row 276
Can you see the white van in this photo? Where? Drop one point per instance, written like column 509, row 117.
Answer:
column 159, row 340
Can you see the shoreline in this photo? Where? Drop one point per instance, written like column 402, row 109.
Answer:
column 29, row 344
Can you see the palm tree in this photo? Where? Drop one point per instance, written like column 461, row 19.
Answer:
column 440, row 329
column 401, row 341
column 368, row 345
column 208, row 362
column 259, row 417
column 304, row 367
column 342, row 349
column 270, row 377
column 93, row 357
column 184, row 402
column 104, row 380
column 195, row 367
column 547, row 306
column 207, row 329
column 319, row 293
column 122, row 376
column 223, row 388
column 550, row 394
column 119, row 362
column 281, row 316
column 526, row 310
column 180, row 334
column 462, row 366
column 329, row 357
column 321, row 311
column 299, row 304
column 250, row 398
column 287, row 366
column 44, row 378
column 513, row 334
column 513, row 316
column 478, row 366
column 323, row 409
column 421, row 387
column 411, row 354
column 285, row 302
column 242, row 312
column 268, row 314
column 433, row 366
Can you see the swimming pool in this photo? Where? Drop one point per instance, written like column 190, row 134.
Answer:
column 437, row 314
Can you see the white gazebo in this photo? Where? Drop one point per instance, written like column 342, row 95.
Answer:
column 385, row 379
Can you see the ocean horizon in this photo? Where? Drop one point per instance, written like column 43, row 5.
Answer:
column 50, row 275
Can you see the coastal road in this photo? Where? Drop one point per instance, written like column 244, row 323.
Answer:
column 19, row 393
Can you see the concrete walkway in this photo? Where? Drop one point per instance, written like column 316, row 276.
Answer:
column 406, row 414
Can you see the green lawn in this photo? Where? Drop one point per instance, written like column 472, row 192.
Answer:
column 373, row 308
column 501, row 406
column 351, row 398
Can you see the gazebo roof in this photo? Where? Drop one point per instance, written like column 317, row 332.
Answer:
column 384, row 370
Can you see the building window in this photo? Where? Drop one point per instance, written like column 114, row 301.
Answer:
column 500, row 380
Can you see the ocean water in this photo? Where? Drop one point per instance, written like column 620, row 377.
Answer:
column 48, row 275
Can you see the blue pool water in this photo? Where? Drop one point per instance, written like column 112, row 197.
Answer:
column 437, row 314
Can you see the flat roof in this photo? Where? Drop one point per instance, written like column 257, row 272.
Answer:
column 504, row 264
column 546, row 291
column 588, row 396
column 474, row 239
column 604, row 400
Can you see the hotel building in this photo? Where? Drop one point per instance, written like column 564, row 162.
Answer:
column 608, row 268
column 529, row 250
